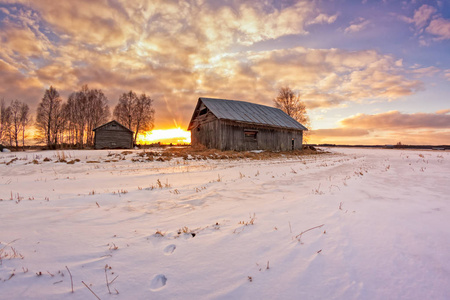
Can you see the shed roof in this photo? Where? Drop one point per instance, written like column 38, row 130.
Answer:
column 110, row 122
column 246, row 112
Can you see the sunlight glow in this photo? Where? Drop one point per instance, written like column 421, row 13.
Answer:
column 165, row 136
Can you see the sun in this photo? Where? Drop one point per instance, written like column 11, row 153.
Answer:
column 165, row 136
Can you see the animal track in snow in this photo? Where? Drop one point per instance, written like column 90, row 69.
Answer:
column 158, row 282
column 169, row 249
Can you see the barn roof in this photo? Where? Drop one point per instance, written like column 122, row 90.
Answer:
column 113, row 121
column 247, row 112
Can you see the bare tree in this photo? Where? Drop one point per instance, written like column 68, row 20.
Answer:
column 25, row 119
column 292, row 104
column 18, row 119
column 15, row 121
column 145, row 115
column 123, row 112
column 135, row 112
column 98, row 113
column 5, row 123
column 70, row 126
column 85, row 110
column 2, row 119
column 49, row 116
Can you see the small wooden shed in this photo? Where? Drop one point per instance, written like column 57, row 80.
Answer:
column 237, row 125
column 113, row 135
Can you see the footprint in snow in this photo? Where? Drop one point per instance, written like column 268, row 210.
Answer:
column 158, row 282
column 169, row 249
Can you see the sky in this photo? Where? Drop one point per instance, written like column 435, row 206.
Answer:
column 369, row 72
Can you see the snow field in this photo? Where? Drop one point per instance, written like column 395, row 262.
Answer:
column 352, row 224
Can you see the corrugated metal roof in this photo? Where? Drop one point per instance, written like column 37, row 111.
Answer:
column 247, row 112
column 113, row 121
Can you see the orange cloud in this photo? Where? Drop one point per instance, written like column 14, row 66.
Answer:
column 323, row 19
column 395, row 120
column 13, row 82
column 416, row 137
column 339, row 132
column 389, row 128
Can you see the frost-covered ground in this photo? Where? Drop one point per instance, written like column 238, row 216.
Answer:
column 354, row 224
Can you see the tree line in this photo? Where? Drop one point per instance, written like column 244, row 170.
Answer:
column 70, row 123
column 14, row 120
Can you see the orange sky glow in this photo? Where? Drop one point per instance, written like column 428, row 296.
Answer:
column 165, row 136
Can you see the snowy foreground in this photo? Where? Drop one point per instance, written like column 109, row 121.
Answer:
column 353, row 224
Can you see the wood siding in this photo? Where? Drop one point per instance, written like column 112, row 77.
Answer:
column 207, row 134
column 113, row 136
column 228, row 135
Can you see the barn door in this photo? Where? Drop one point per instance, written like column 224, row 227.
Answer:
column 251, row 139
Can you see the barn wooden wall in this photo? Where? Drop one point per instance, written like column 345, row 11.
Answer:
column 228, row 135
column 207, row 134
column 113, row 137
column 233, row 138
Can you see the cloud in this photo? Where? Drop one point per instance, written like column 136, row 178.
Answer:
column 423, row 15
column 426, row 72
column 22, row 42
column 412, row 137
column 395, row 120
column 443, row 111
column 178, row 51
column 339, row 132
column 357, row 25
column 389, row 128
column 447, row 74
column 426, row 20
column 324, row 77
column 13, row 82
column 440, row 27
column 323, row 19
column 119, row 22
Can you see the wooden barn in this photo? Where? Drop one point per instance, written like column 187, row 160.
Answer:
column 238, row 125
column 113, row 135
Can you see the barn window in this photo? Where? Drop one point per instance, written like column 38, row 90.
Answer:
column 250, row 134
column 203, row 111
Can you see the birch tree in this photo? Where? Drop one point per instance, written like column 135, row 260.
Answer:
column 2, row 120
column 25, row 119
column 85, row 110
column 49, row 116
column 18, row 119
column 135, row 112
column 5, row 123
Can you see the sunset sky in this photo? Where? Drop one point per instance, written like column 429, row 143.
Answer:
column 370, row 72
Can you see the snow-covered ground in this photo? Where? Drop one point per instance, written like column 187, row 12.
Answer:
column 353, row 224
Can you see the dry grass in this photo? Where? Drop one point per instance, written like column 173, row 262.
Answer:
column 9, row 252
column 202, row 153
column 298, row 237
column 250, row 222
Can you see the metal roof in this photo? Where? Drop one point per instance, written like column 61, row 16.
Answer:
column 247, row 112
column 113, row 121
